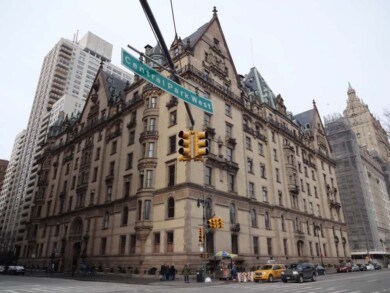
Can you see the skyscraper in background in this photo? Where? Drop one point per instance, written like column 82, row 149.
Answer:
column 69, row 68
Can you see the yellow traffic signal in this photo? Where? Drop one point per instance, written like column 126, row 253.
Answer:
column 201, row 235
column 210, row 223
column 220, row 223
column 185, row 145
column 201, row 145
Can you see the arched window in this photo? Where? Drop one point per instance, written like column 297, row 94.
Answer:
column 254, row 218
column 125, row 215
column 105, row 220
column 208, row 208
column 171, row 207
column 232, row 213
column 266, row 221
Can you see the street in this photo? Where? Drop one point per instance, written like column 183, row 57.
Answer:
column 359, row 282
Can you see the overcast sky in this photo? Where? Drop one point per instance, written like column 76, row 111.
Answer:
column 304, row 49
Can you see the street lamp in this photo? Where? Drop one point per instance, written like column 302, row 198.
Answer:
column 318, row 229
column 203, row 203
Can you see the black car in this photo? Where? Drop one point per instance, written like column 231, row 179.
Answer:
column 362, row 267
column 299, row 272
column 320, row 270
column 377, row 266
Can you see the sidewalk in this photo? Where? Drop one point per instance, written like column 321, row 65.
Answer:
column 124, row 278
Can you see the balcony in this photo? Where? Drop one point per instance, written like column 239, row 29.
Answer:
column 131, row 124
column 148, row 135
column 235, row 227
column 230, row 140
column 299, row 234
column 173, row 102
column 293, row 188
column 114, row 135
column 145, row 163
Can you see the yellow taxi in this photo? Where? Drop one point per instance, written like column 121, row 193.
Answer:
column 268, row 272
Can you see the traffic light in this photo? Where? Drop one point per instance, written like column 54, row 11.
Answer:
column 201, row 235
column 201, row 145
column 220, row 223
column 185, row 145
column 210, row 223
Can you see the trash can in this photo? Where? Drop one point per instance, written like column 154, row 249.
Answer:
column 200, row 276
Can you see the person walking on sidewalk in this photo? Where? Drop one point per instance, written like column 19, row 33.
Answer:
column 186, row 273
column 172, row 272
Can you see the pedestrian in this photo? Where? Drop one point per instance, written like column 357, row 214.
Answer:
column 172, row 272
column 167, row 272
column 186, row 273
column 163, row 272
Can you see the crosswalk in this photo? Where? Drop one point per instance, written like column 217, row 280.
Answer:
column 302, row 288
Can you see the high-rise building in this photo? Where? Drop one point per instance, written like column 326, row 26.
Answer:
column 112, row 192
column 362, row 187
column 69, row 68
column 3, row 169
column 368, row 129
column 9, row 201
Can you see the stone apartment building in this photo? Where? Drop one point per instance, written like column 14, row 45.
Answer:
column 112, row 192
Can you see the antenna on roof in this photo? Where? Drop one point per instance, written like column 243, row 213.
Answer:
column 75, row 37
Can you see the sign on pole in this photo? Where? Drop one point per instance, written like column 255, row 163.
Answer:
column 165, row 83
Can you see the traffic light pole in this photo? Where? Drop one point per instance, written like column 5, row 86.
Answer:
column 160, row 39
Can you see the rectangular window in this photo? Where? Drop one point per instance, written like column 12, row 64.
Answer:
column 251, row 189
column 208, row 178
column 127, row 186
column 171, row 175
column 97, row 155
column 147, row 208
column 122, row 244
column 269, row 246
column 231, row 180
column 275, row 155
column 265, row 194
column 113, row 147
column 285, row 246
column 131, row 137
column 256, row 245
column 94, row 174
column 229, row 154
column 248, row 144
column 250, row 165
column 170, row 241
column 262, row 170
column 207, row 120
column 149, row 179
column 129, row 161
column 228, row 110
column 156, row 246
column 112, row 168
column 132, row 243
column 261, row 149
column 151, row 150
column 152, row 124
column 172, row 144
column 235, row 243
column 277, row 175
column 172, row 118
column 229, row 131
column 103, row 245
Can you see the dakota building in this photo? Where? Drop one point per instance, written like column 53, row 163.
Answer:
column 111, row 191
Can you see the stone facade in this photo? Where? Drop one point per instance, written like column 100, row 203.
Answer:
column 111, row 191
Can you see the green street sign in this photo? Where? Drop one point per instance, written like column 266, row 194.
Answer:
column 164, row 83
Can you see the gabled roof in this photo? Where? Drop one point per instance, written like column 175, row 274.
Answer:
column 305, row 118
column 258, row 88
column 115, row 86
column 194, row 37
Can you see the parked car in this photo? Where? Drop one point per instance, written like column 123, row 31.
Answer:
column 377, row 266
column 2, row 269
column 362, row 267
column 299, row 272
column 369, row 267
column 320, row 270
column 344, row 268
column 355, row 268
column 16, row 270
column 268, row 272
